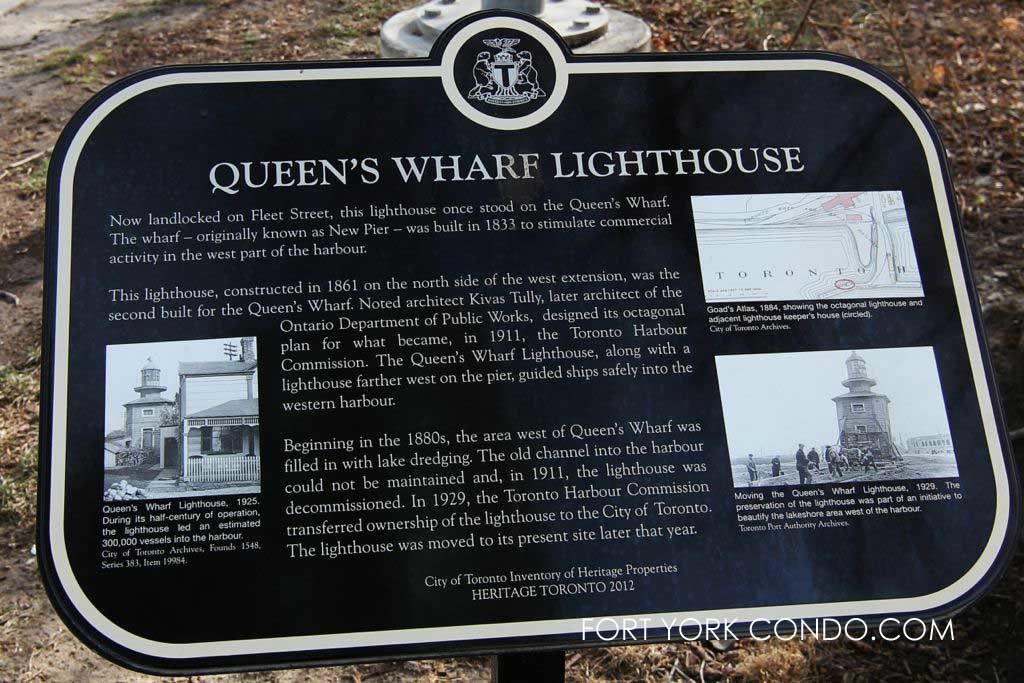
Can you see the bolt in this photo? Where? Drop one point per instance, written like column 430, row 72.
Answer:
column 431, row 13
column 580, row 24
column 593, row 9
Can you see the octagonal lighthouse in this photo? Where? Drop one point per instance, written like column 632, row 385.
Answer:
column 863, row 415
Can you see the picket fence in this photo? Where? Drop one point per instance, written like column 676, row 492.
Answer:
column 223, row 468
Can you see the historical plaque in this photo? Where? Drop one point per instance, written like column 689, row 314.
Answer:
column 507, row 348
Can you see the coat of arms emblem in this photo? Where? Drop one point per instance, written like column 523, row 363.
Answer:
column 507, row 77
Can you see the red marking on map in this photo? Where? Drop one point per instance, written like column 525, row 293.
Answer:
column 845, row 284
column 844, row 199
column 854, row 217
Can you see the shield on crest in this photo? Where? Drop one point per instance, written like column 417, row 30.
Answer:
column 505, row 72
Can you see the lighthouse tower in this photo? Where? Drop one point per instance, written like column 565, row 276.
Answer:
column 144, row 414
column 149, row 377
column 863, row 414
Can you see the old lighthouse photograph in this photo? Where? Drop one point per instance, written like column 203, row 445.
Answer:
column 182, row 419
column 808, row 418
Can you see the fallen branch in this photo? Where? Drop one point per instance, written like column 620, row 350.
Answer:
column 800, row 27
column 30, row 157
column 893, row 27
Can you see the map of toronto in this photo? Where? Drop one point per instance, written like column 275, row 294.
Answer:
column 800, row 246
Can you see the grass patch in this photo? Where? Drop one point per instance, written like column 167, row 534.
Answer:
column 126, row 14
column 19, row 415
column 33, row 182
column 60, row 58
column 73, row 66
column 333, row 31
column 152, row 7
column 121, row 15
column 252, row 37
column 86, row 68
column 18, row 384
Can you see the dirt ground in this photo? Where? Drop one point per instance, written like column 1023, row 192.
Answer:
column 963, row 60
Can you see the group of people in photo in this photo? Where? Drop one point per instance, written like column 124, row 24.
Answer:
column 809, row 464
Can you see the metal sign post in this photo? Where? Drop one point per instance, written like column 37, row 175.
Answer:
column 536, row 667
column 587, row 27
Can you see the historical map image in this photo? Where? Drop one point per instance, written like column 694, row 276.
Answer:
column 816, row 417
column 825, row 245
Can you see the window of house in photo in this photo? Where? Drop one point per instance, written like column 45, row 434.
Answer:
column 220, row 440
column 147, row 438
column 862, row 429
column 147, row 411
column 858, row 407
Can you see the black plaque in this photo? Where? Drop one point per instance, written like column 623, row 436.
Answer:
column 503, row 348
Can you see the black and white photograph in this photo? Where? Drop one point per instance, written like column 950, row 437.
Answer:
column 798, row 419
column 182, row 419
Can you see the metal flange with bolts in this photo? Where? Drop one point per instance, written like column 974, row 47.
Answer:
column 586, row 27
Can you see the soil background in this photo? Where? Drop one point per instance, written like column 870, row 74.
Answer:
column 963, row 60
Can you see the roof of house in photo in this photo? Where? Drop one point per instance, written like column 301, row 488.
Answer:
column 239, row 407
column 116, row 434
column 216, row 367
